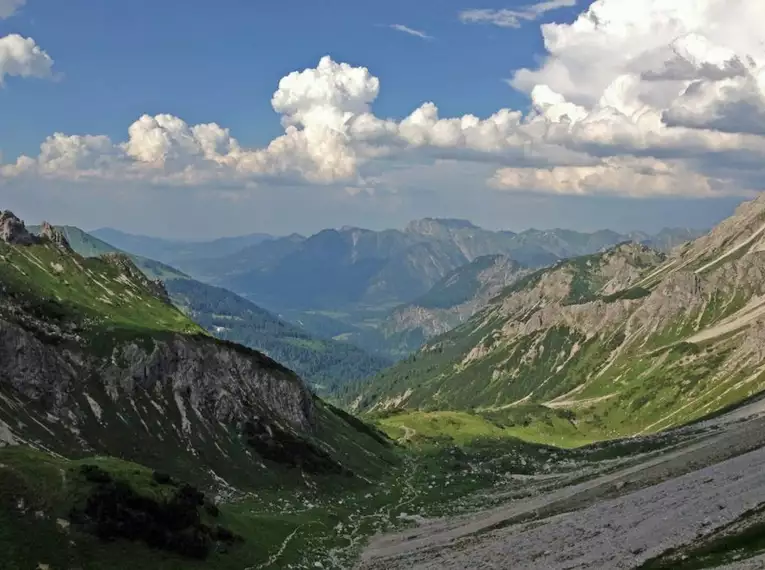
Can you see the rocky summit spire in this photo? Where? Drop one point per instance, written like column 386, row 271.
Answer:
column 55, row 235
column 13, row 230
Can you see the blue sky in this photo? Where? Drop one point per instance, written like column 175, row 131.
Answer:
column 222, row 63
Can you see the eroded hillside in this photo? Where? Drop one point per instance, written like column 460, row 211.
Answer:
column 615, row 343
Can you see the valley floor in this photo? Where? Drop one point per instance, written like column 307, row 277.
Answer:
column 491, row 502
column 700, row 504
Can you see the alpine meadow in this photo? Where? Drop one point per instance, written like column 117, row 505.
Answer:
column 382, row 286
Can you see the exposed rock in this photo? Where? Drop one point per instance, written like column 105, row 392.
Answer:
column 225, row 383
column 55, row 235
column 13, row 230
column 123, row 262
column 454, row 299
column 627, row 334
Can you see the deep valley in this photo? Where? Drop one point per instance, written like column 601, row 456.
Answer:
column 137, row 430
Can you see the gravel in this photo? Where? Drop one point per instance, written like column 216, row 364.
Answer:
column 615, row 521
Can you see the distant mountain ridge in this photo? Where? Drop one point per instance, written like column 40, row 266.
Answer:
column 352, row 266
column 345, row 283
column 322, row 362
column 172, row 251
column 621, row 342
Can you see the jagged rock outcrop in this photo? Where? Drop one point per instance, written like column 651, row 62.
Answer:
column 54, row 235
column 123, row 262
column 13, row 230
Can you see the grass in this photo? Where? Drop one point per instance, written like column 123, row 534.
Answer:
column 40, row 495
column 532, row 424
column 100, row 296
column 293, row 526
column 454, row 427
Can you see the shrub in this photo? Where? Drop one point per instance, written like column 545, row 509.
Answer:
column 114, row 510
column 95, row 474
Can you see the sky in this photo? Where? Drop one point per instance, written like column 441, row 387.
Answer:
column 236, row 116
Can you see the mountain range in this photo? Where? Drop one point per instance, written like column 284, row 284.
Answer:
column 321, row 361
column 338, row 269
column 119, row 416
column 130, row 435
column 344, row 283
column 630, row 340
column 172, row 252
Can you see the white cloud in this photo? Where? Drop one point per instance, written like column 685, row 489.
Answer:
column 22, row 57
column 644, row 177
column 411, row 31
column 652, row 98
column 9, row 7
column 613, row 38
column 512, row 18
column 729, row 104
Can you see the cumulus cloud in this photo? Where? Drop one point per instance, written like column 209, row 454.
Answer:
column 22, row 57
column 9, row 7
column 653, row 98
column 636, row 177
column 512, row 18
column 411, row 31
column 613, row 38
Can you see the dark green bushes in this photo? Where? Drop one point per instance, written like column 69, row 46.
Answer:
column 115, row 510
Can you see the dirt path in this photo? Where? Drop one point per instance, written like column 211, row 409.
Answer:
column 409, row 433
column 716, row 478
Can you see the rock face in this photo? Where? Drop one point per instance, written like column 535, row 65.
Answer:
column 13, row 231
column 54, row 235
column 126, row 265
column 625, row 341
column 211, row 381
column 93, row 362
column 452, row 301
column 192, row 397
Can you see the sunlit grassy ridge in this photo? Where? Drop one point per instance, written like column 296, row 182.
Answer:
column 93, row 292
column 463, row 428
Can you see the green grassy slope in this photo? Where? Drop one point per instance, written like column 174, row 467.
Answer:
column 327, row 364
column 88, row 245
column 323, row 362
column 614, row 343
column 103, row 381
column 98, row 295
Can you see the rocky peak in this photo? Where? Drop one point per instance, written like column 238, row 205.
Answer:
column 55, row 235
column 13, row 230
column 435, row 226
column 123, row 262
column 744, row 231
column 634, row 253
